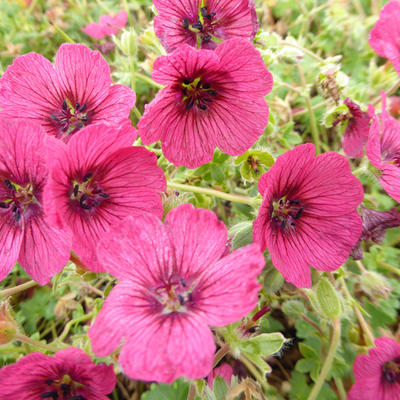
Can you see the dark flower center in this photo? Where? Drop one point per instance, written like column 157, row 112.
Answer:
column 19, row 200
column 62, row 389
column 196, row 92
column 285, row 212
column 204, row 27
column 391, row 371
column 70, row 118
column 88, row 193
column 174, row 295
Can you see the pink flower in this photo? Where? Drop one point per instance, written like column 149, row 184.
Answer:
column 26, row 234
column 97, row 179
column 308, row 215
column 211, row 99
column 377, row 374
column 383, row 149
column 385, row 36
column 224, row 371
column 107, row 25
column 188, row 22
column 77, row 92
column 69, row 375
column 175, row 282
column 356, row 134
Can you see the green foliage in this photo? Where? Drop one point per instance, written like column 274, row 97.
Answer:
column 176, row 391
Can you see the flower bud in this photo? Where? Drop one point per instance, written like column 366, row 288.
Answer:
column 8, row 327
column 375, row 285
column 129, row 42
column 328, row 300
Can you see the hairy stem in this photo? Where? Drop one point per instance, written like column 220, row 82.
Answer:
column 17, row 289
column 36, row 343
column 236, row 198
column 328, row 360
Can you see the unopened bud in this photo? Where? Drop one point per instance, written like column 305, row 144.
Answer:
column 375, row 285
column 7, row 332
column 8, row 327
column 129, row 42
column 293, row 308
column 328, row 299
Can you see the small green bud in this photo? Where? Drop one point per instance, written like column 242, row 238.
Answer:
column 293, row 308
column 243, row 234
column 268, row 39
column 129, row 42
column 7, row 332
column 273, row 280
column 375, row 285
column 328, row 299
column 354, row 334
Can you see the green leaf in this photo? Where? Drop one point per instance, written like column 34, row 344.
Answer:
column 308, row 351
column 328, row 299
column 176, row 391
column 265, row 344
column 220, row 388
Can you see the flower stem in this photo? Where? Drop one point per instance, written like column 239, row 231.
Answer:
column 17, row 289
column 255, row 372
column 389, row 267
column 304, row 50
column 328, row 361
column 221, row 353
column 377, row 99
column 148, row 80
column 367, row 333
column 62, row 33
column 192, row 392
column 69, row 324
column 340, row 388
column 236, row 198
column 36, row 343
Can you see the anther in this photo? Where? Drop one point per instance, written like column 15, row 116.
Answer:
column 206, row 86
column 202, row 107
column 189, row 104
column 17, row 215
column 77, row 105
column 197, row 25
column 105, row 195
column 83, row 198
column 298, row 214
column 283, row 224
column 294, row 202
column 206, row 38
column 64, row 105
column 48, row 395
column 212, row 92
column 181, row 300
column 82, row 107
column 85, row 118
column 185, row 23
column 186, row 82
column 4, row 205
column 53, row 117
column 87, row 177
column 49, row 382
column 8, row 184
column 65, row 389
column 76, row 188
column 204, row 12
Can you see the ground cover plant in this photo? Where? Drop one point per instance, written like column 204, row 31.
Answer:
column 199, row 199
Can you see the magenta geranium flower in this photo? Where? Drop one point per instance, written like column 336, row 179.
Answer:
column 377, row 374
column 204, row 24
column 107, row 25
column 308, row 216
column 211, row 99
column 26, row 235
column 175, row 282
column 75, row 93
column 356, row 134
column 97, row 179
column 385, row 36
column 383, row 150
column 69, row 375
